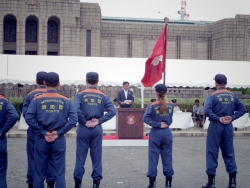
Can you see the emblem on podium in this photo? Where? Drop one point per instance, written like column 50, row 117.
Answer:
column 130, row 119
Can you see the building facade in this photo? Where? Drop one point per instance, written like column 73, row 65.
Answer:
column 74, row 28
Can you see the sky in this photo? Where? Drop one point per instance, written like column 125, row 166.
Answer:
column 204, row 10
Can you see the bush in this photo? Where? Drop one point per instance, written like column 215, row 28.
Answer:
column 186, row 103
column 16, row 103
column 182, row 103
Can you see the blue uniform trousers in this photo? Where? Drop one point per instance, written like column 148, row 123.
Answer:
column 30, row 153
column 3, row 161
column 89, row 138
column 52, row 154
column 160, row 142
column 220, row 136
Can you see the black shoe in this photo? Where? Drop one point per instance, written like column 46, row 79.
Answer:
column 152, row 182
column 96, row 183
column 208, row 186
column 211, row 182
column 168, row 182
column 50, row 185
column 78, row 184
column 30, row 185
column 232, row 181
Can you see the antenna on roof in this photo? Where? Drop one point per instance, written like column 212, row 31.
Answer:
column 182, row 12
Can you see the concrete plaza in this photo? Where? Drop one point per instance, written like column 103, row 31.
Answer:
column 126, row 167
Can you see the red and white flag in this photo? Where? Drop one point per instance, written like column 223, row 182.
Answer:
column 155, row 65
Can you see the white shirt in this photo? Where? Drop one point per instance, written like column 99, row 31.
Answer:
column 195, row 108
column 126, row 94
column 200, row 110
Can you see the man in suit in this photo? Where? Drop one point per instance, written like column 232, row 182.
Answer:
column 125, row 94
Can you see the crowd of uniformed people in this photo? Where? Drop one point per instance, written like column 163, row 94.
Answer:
column 50, row 115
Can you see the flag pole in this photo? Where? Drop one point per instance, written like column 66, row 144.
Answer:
column 166, row 19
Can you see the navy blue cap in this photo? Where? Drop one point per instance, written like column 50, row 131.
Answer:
column 161, row 88
column 40, row 76
column 152, row 100
column 115, row 100
column 92, row 76
column 174, row 101
column 52, row 78
column 220, row 79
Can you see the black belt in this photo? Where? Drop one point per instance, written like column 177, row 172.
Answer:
column 214, row 121
column 88, row 119
column 52, row 130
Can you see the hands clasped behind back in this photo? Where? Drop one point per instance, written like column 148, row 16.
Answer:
column 51, row 136
column 226, row 120
column 164, row 125
column 92, row 123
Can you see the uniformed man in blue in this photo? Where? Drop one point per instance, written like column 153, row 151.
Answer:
column 41, row 88
column 159, row 116
column 8, row 118
column 222, row 107
column 50, row 116
column 90, row 104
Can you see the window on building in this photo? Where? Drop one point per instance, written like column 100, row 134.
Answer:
column 88, row 43
column 30, row 52
column 9, row 51
column 10, row 30
column 52, row 53
column 52, row 32
column 31, row 31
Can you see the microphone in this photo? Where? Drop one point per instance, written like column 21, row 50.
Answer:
column 131, row 93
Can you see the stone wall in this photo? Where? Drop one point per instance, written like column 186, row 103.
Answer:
column 227, row 39
column 74, row 19
column 111, row 91
column 138, row 40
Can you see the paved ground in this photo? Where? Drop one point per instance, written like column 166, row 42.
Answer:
column 191, row 132
column 125, row 167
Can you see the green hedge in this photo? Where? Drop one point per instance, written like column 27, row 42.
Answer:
column 186, row 103
column 182, row 103
column 16, row 103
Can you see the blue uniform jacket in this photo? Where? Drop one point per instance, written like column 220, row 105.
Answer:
column 223, row 103
column 29, row 97
column 51, row 111
column 90, row 103
column 153, row 117
column 8, row 115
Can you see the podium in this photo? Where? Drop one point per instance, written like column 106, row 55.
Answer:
column 129, row 123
